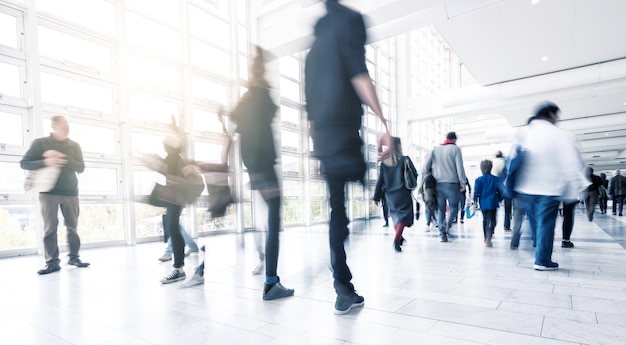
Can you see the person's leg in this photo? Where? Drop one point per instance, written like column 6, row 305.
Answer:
column 507, row 213
column 385, row 206
column 614, row 204
column 441, row 205
column 462, row 207
column 49, row 211
column 491, row 224
column 168, row 247
column 484, row 226
column 453, row 195
column 620, row 201
column 546, row 210
column 173, row 227
column 397, row 241
column 189, row 242
column 337, row 235
column 568, row 223
column 518, row 219
column 70, row 208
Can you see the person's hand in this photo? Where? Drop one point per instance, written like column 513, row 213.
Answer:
column 462, row 189
column 385, row 147
column 54, row 161
column 376, row 202
column 189, row 170
column 53, row 154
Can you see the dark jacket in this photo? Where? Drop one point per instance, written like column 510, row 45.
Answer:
column 617, row 186
column 398, row 197
column 487, row 192
column 337, row 56
column 254, row 115
column 596, row 182
column 67, row 184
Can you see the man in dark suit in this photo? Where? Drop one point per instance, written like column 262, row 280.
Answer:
column 336, row 84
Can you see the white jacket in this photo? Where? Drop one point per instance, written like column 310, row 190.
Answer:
column 552, row 164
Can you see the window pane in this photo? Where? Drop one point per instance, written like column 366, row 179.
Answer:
column 93, row 139
column 153, row 36
column 204, row 89
column 209, row 58
column 291, row 165
column 96, row 14
column 98, row 181
column 208, row 27
column 319, row 211
column 204, row 120
column 152, row 108
column 148, row 221
column 247, row 192
column 144, row 143
column 17, row 227
column 166, row 11
column 11, row 178
column 292, row 188
column 289, row 89
column 148, row 72
column 318, row 189
column 242, row 37
column 290, row 67
column 293, row 211
column 208, row 152
column 69, row 92
column 314, row 168
column 12, row 129
column 290, row 141
column 64, row 47
column 100, row 222
column 206, row 223
column 290, row 116
column 145, row 180
column 358, row 209
column 242, row 12
column 10, row 80
column 8, row 30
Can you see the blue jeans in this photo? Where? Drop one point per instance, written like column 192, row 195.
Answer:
column 542, row 211
column 450, row 192
column 188, row 241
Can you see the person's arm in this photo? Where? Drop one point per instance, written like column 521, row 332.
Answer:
column 76, row 161
column 364, row 88
column 33, row 159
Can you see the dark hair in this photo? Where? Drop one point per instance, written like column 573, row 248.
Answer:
column 544, row 110
column 485, row 166
column 451, row 136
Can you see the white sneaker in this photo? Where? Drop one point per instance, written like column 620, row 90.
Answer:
column 259, row 268
column 195, row 280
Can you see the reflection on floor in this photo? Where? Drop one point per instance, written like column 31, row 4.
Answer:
column 432, row 293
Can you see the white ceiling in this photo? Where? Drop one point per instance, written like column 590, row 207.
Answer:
column 520, row 52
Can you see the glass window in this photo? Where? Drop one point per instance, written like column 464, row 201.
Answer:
column 148, row 221
column 243, row 67
column 242, row 38
column 290, row 141
column 208, row 90
column 152, row 108
column 64, row 91
column 319, row 211
column 358, row 209
column 10, row 83
column 99, row 222
column 208, row 152
column 290, row 67
column 293, row 211
column 219, row 7
column 165, row 11
column 208, row 27
column 8, row 30
column 290, row 116
column 68, row 49
column 314, row 168
column 98, row 181
column 205, row 120
column 145, row 180
column 242, row 12
column 12, row 129
column 18, row 226
column 206, row 223
column 247, row 192
column 289, row 89
column 11, row 178
column 292, row 188
column 144, row 143
column 95, row 139
column 291, row 165
column 96, row 14
column 318, row 189
column 209, row 58
column 153, row 36
column 142, row 70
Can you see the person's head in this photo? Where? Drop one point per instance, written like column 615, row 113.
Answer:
column 172, row 144
column 60, row 127
column 485, row 166
column 451, row 136
column 588, row 171
column 603, row 176
column 499, row 154
column 616, row 172
column 257, row 69
column 547, row 111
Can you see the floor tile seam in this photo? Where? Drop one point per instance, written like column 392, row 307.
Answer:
column 488, row 328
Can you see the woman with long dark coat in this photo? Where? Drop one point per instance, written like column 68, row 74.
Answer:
column 398, row 196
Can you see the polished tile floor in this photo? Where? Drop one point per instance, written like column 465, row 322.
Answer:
column 432, row 293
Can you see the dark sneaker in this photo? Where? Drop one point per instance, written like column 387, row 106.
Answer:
column 275, row 291
column 567, row 244
column 396, row 246
column 552, row 266
column 175, row 276
column 76, row 262
column 49, row 268
column 444, row 239
column 345, row 303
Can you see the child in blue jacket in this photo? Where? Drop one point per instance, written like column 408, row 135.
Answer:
column 487, row 196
